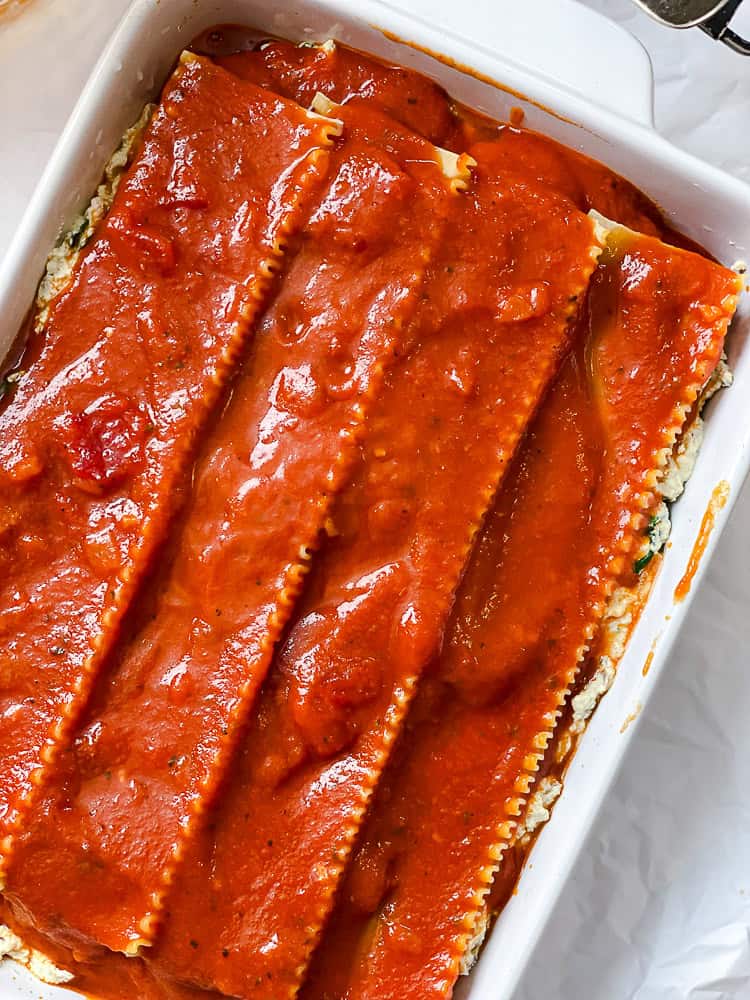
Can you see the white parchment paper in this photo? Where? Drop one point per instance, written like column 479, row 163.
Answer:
column 658, row 907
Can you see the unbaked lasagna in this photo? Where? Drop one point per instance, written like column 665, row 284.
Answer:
column 334, row 470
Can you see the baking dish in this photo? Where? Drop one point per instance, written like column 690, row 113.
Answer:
column 703, row 202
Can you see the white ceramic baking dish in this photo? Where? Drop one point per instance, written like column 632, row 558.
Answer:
column 596, row 82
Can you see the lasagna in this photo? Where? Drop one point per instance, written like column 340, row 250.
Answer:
column 333, row 469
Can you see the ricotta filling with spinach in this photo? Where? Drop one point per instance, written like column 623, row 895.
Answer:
column 618, row 618
column 64, row 256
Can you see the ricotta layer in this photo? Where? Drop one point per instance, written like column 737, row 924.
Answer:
column 622, row 607
column 11, row 946
column 63, row 258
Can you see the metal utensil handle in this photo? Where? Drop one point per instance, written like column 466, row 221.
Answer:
column 718, row 28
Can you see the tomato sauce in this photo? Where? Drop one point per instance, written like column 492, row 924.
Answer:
column 559, row 539
column 95, row 439
column 464, row 709
column 718, row 501
column 151, row 748
column 489, row 334
column 346, row 75
column 164, row 821
column 343, row 75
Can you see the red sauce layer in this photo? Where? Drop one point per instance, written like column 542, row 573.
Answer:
column 489, row 333
column 151, row 748
column 97, row 434
column 460, row 302
column 347, row 76
column 544, row 507
column 560, row 537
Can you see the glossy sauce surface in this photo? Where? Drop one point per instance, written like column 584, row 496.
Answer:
column 469, row 730
column 488, row 335
column 248, row 900
column 150, row 750
column 94, row 439
column 563, row 529
column 345, row 75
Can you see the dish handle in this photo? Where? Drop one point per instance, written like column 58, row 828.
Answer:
column 569, row 44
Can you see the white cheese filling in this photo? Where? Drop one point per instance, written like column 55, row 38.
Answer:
column 471, row 952
column 11, row 946
column 618, row 618
column 538, row 809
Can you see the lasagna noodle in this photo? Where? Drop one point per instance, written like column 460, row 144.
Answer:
column 152, row 747
column 520, row 571
column 564, row 532
column 119, row 382
column 343, row 74
column 489, row 334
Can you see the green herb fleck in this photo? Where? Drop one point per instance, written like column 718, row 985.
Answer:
column 76, row 236
column 640, row 564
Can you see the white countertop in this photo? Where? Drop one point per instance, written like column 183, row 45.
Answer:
column 658, row 907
